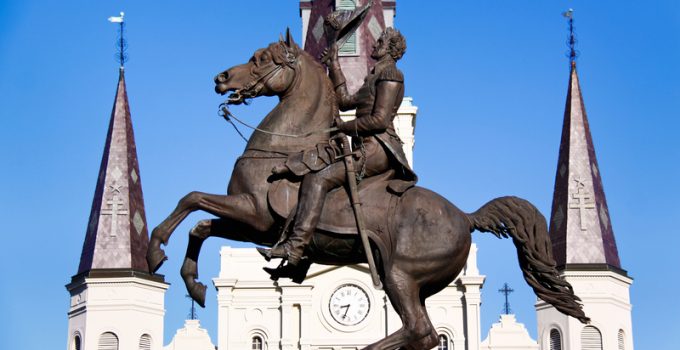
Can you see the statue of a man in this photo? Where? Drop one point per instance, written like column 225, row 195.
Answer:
column 373, row 135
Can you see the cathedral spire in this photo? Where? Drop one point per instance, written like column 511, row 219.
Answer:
column 116, row 235
column 580, row 227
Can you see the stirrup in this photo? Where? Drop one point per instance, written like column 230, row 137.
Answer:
column 280, row 252
column 296, row 273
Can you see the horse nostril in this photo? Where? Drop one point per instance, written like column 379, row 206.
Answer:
column 221, row 78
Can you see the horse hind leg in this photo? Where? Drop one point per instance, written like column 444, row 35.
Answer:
column 416, row 332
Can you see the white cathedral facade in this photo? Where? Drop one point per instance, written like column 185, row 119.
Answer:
column 116, row 305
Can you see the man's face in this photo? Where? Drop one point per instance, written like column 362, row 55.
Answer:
column 380, row 48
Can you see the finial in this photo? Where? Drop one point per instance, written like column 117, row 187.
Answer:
column 571, row 41
column 192, row 315
column 121, row 56
column 506, row 290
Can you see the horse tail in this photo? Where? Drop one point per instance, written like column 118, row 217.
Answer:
column 517, row 218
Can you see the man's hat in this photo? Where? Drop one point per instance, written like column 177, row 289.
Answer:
column 340, row 25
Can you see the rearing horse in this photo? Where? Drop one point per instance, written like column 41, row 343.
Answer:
column 428, row 238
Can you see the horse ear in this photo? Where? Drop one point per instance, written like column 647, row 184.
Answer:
column 289, row 38
column 281, row 38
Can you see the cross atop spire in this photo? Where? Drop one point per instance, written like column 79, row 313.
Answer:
column 571, row 42
column 192, row 314
column 121, row 55
column 506, row 290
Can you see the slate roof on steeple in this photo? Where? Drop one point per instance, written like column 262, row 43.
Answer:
column 580, row 227
column 354, row 67
column 117, row 235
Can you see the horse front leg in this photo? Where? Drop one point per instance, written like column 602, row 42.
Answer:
column 241, row 207
column 224, row 228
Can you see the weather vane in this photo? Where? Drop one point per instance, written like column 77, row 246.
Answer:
column 192, row 315
column 571, row 41
column 506, row 290
column 121, row 45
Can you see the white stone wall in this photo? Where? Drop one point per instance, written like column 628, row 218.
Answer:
column 606, row 300
column 508, row 334
column 292, row 316
column 129, row 307
column 191, row 337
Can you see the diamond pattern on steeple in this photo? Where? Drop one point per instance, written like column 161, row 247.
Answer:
column 581, row 234
column 317, row 31
column 375, row 28
column 109, row 241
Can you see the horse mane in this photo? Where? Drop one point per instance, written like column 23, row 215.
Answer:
column 327, row 83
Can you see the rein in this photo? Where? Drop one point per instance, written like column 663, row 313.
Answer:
column 228, row 116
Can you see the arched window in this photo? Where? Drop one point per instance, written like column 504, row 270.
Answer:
column 591, row 338
column 555, row 340
column 76, row 345
column 257, row 342
column 108, row 341
column 443, row 342
column 622, row 340
column 145, row 342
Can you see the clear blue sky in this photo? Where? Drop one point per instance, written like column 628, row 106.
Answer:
column 494, row 131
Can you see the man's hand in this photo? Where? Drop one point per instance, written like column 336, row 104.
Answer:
column 330, row 54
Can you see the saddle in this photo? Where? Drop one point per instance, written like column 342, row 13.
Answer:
column 377, row 204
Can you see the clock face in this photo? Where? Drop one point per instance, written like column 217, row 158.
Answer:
column 349, row 304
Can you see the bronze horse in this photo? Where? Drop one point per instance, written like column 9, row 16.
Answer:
column 421, row 240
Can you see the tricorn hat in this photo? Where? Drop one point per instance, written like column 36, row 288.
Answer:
column 341, row 24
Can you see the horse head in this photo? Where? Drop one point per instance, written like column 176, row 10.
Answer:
column 270, row 71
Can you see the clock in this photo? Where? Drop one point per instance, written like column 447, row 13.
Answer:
column 349, row 304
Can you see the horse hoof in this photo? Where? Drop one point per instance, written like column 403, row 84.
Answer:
column 197, row 292
column 155, row 259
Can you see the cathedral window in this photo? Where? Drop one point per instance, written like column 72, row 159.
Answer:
column 349, row 48
column 555, row 340
column 257, row 343
column 76, row 345
column 145, row 342
column 345, row 4
column 591, row 338
column 443, row 342
column 622, row 340
column 108, row 341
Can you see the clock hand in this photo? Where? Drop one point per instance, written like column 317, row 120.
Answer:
column 346, row 307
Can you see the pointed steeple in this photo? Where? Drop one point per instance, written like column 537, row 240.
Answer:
column 117, row 235
column 580, row 227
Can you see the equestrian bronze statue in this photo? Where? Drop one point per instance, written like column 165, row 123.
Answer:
column 419, row 240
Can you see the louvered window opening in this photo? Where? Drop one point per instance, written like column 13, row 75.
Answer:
column 145, row 342
column 591, row 338
column 76, row 343
column 345, row 4
column 443, row 342
column 257, row 343
column 108, row 341
column 621, row 340
column 555, row 340
column 350, row 46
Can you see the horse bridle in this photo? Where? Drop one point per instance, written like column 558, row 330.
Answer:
column 253, row 88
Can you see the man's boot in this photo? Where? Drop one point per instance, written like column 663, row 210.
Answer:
column 306, row 219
